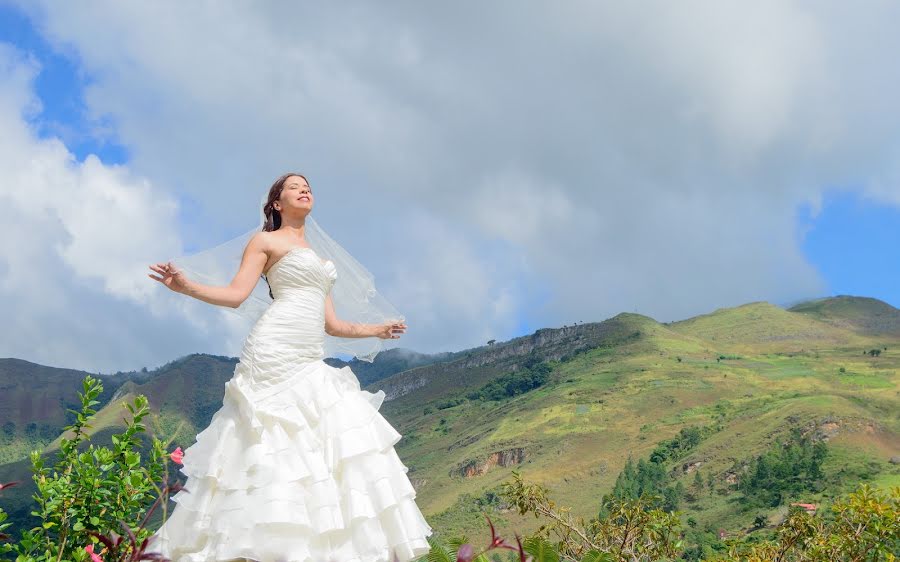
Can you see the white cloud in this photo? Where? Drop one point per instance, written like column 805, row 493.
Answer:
column 612, row 156
column 76, row 239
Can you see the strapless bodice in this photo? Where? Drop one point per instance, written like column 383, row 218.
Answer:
column 301, row 271
column 292, row 329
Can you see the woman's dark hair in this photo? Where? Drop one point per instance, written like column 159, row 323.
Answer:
column 273, row 216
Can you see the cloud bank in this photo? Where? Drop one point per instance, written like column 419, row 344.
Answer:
column 495, row 166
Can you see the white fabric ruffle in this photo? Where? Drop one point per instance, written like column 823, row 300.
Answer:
column 303, row 471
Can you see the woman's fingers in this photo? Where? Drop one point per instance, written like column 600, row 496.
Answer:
column 397, row 329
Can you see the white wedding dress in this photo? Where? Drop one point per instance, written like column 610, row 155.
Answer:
column 298, row 465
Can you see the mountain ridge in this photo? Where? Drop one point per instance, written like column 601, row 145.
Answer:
column 615, row 388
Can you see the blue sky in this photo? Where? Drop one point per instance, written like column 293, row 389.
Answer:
column 489, row 204
column 853, row 242
column 60, row 89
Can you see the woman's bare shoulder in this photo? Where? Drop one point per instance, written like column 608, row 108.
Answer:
column 261, row 241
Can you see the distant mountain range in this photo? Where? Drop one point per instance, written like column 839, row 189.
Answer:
column 615, row 388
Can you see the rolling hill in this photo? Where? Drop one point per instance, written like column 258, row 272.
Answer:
column 612, row 389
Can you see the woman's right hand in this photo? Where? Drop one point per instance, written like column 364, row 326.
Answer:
column 172, row 278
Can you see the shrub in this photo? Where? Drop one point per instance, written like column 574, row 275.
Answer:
column 89, row 494
column 864, row 526
column 534, row 373
column 632, row 530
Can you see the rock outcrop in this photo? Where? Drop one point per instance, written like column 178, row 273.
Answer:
column 477, row 467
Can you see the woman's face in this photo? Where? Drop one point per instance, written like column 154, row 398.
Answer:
column 296, row 196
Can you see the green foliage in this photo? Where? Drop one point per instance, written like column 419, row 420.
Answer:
column 680, row 445
column 651, row 479
column 786, row 469
column 444, row 404
column 541, row 550
column 698, row 485
column 534, row 373
column 91, row 491
column 460, row 549
column 630, row 530
column 864, row 526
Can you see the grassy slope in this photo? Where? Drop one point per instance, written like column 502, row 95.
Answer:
column 622, row 395
column 862, row 314
column 611, row 402
column 34, row 400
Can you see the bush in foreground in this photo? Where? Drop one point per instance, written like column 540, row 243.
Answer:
column 89, row 495
column 864, row 526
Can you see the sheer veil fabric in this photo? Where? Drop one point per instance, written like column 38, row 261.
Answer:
column 354, row 294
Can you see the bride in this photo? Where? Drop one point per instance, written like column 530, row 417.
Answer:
column 298, row 464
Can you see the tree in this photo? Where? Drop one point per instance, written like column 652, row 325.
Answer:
column 697, row 486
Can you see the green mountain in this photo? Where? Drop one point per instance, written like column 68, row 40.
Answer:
column 568, row 406
column 860, row 314
column 621, row 387
column 34, row 400
column 183, row 394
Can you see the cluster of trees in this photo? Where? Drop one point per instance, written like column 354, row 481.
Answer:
column 33, row 431
column 646, row 478
column 534, row 373
column 678, row 446
column 444, row 404
column 650, row 477
column 785, row 469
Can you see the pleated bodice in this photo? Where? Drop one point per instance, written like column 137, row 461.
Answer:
column 292, row 329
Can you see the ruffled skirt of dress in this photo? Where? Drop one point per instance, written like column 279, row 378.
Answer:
column 304, row 471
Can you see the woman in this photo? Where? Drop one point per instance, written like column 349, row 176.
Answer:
column 298, row 464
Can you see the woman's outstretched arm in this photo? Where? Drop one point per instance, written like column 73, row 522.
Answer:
column 334, row 326
column 232, row 295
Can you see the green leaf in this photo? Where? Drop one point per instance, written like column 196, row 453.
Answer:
column 439, row 554
column 597, row 556
column 541, row 550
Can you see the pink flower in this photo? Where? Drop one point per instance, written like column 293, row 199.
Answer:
column 94, row 556
column 177, row 455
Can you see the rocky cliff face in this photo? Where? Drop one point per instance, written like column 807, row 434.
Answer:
column 549, row 343
column 477, row 467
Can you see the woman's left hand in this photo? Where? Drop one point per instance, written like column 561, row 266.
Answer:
column 390, row 330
